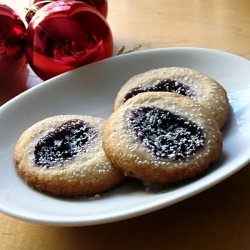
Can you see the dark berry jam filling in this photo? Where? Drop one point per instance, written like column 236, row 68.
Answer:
column 167, row 135
column 63, row 143
column 167, row 85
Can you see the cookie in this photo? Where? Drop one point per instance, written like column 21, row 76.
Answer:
column 63, row 156
column 184, row 81
column 162, row 137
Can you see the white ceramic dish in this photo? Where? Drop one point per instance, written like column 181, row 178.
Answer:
column 91, row 90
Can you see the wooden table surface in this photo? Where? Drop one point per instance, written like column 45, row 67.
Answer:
column 218, row 218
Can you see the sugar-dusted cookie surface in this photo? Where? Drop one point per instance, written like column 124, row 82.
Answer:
column 184, row 81
column 161, row 137
column 63, row 156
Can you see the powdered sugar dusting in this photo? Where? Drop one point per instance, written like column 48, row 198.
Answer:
column 165, row 134
column 165, row 85
column 65, row 142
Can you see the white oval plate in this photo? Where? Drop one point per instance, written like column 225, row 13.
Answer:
column 91, row 90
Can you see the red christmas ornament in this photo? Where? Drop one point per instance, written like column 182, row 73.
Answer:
column 100, row 5
column 12, row 43
column 13, row 68
column 65, row 35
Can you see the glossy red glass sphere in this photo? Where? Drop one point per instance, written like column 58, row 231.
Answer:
column 12, row 43
column 65, row 35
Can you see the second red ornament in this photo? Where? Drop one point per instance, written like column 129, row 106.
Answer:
column 64, row 35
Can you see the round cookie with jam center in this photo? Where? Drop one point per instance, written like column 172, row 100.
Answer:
column 162, row 138
column 184, row 81
column 63, row 156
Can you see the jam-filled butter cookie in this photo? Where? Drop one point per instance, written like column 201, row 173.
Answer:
column 161, row 137
column 184, row 81
column 63, row 156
